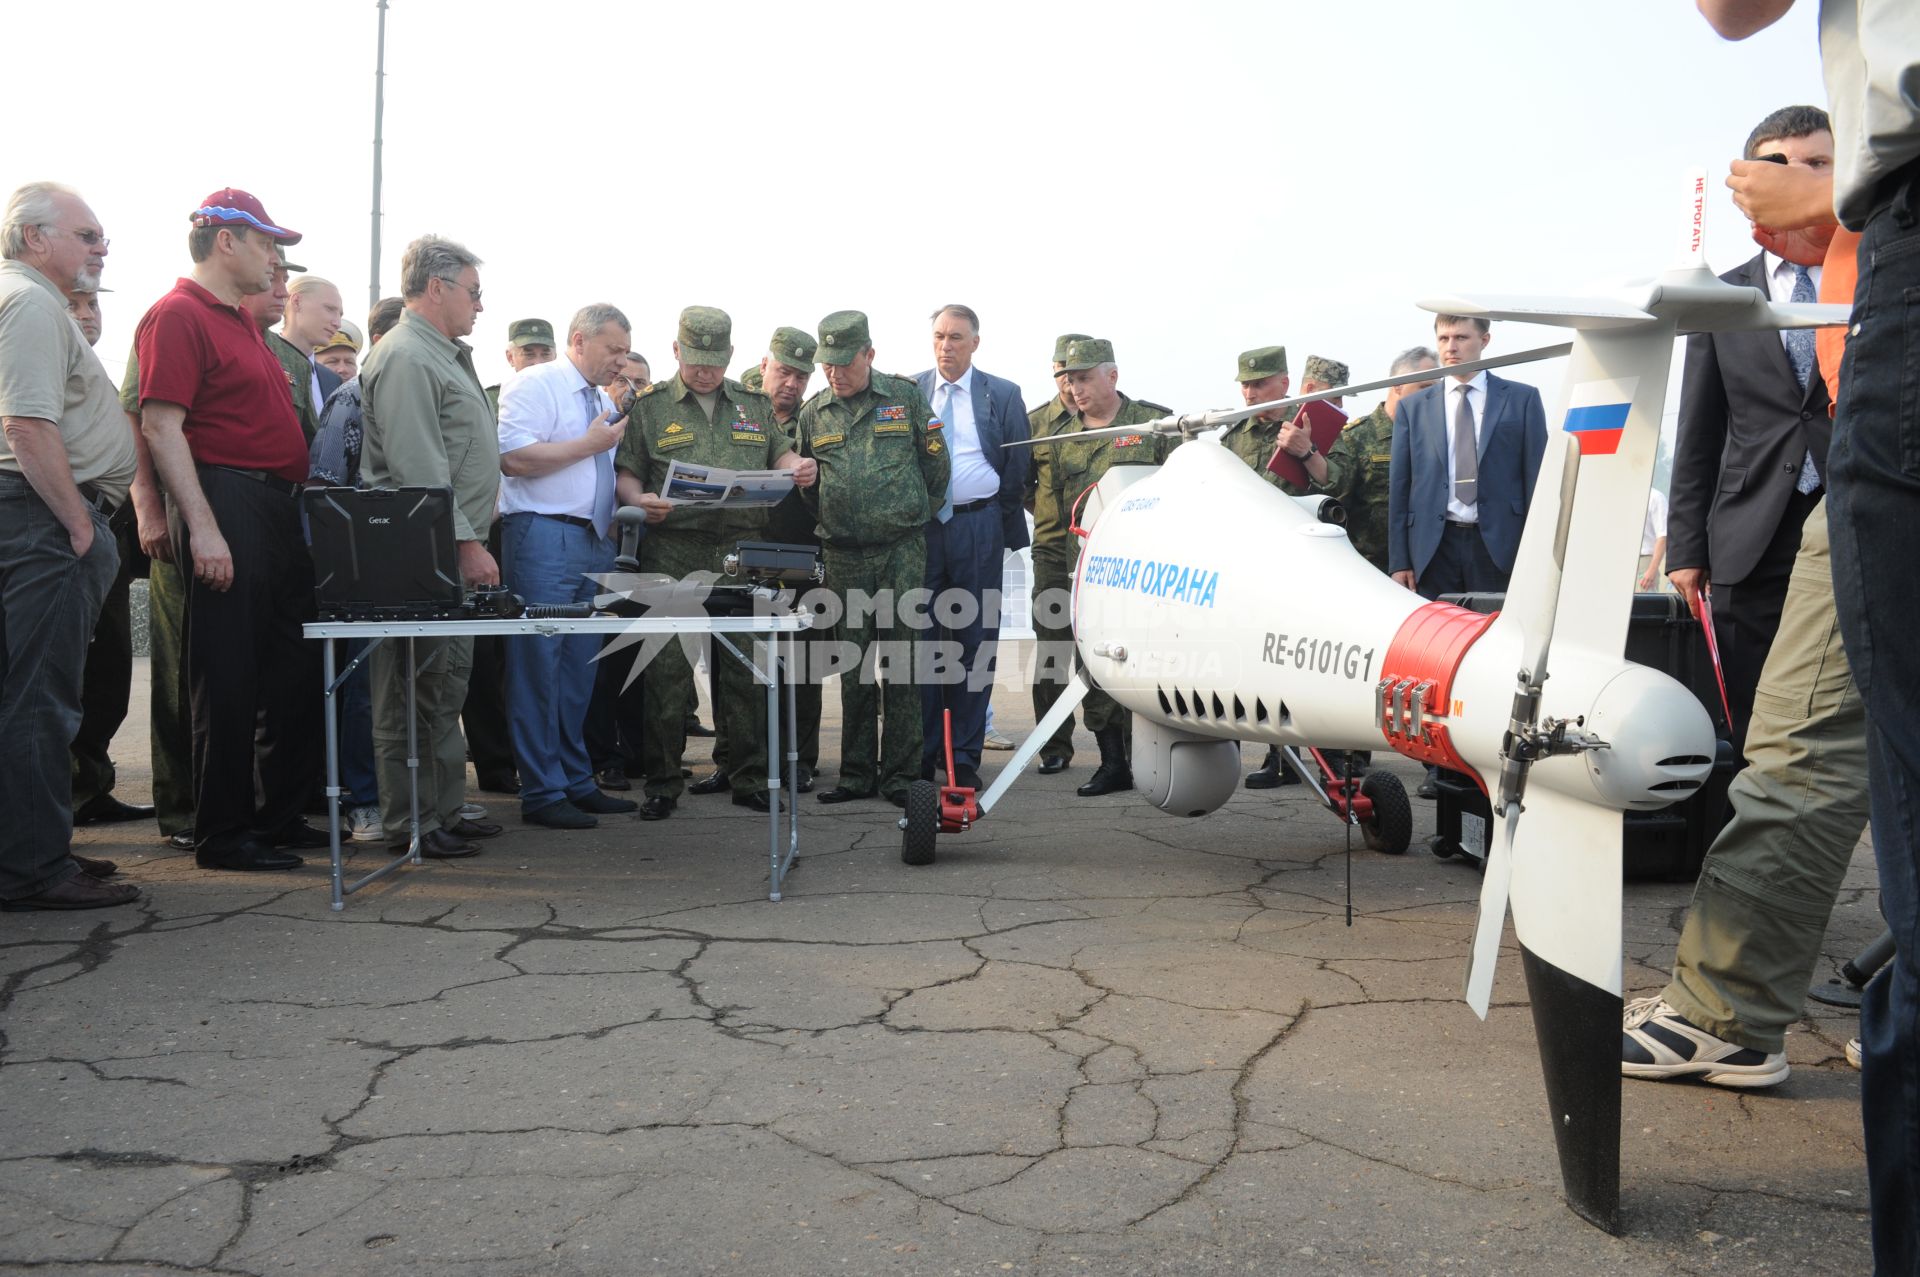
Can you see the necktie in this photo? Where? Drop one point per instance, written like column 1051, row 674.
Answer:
column 602, row 473
column 945, row 409
column 1800, row 351
column 1466, row 454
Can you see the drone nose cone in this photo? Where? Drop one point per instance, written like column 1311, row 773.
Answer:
column 1660, row 746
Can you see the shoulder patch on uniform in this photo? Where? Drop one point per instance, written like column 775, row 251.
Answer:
column 934, row 448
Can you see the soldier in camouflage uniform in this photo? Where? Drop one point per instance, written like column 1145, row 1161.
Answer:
column 1065, row 472
column 700, row 417
column 1262, row 374
column 1053, row 559
column 1357, row 463
column 883, row 473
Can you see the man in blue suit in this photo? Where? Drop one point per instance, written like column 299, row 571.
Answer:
column 983, row 517
column 1465, row 455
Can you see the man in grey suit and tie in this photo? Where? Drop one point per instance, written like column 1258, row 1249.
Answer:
column 1465, row 455
column 1751, row 448
column 983, row 517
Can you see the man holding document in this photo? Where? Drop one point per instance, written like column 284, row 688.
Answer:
column 706, row 423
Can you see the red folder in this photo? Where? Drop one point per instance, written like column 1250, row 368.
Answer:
column 1324, row 423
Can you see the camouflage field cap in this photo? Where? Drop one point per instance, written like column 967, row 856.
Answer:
column 348, row 336
column 752, row 381
column 1061, row 343
column 793, row 348
column 843, row 335
column 706, row 337
column 1086, row 352
column 531, row 332
column 289, row 267
column 1258, row 365
column 1328, row 372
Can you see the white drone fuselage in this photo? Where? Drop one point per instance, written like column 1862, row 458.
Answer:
column 1218, row 609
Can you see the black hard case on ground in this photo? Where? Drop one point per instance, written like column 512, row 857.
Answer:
column 383, row 554
column 1667, row 844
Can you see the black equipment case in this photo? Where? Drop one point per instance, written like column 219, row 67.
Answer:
column 383, row 554
column 1667, row 844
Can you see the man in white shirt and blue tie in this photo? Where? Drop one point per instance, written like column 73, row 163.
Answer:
column 983, row 516
column 558, row 432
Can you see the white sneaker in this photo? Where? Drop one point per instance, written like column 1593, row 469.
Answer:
column 1657, row 1042
column 472, row 811
column 363, row 824
column 995, row 740
column 1853, row 1052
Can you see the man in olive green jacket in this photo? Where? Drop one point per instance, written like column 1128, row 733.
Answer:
column 883, row 473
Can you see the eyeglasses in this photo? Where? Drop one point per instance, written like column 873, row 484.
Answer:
column 473, row 292
column 91, row 239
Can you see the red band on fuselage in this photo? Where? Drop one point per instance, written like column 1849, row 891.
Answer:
column 1424, row 656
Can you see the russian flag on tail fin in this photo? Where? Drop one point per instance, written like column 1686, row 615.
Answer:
column 1597, row 414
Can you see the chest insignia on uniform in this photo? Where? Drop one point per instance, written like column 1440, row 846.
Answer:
column 822, row 441
column 673, row 428
column 746, row 427
column 1126, row 441
column 892, row 412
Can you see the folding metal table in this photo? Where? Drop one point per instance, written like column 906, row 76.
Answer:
column 771, row 663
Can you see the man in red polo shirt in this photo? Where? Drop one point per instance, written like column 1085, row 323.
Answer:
column 219, row 419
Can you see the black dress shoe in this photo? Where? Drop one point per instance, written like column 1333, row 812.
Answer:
column 806, row 779
column 77, row 892
column 598, row 804
column 299, row 834
column 560, row 815
column 840, row 794
column 757, row 802
column 614, row 778
column 965, row 777
column 93, row 868
column 659, row 807
column 105, row 809
column 474, row 830
column 438, row 844
column 181, row 841
column 898, row 800
column 1106, row 779
column 248, row 855
column 499, row 782
column 717, row 783
column 1427, row 790
column 695, row 728
column 1053, row 764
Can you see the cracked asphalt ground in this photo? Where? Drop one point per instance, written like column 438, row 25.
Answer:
column 1090, row 1039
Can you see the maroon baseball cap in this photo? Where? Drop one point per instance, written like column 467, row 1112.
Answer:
column 230, row 207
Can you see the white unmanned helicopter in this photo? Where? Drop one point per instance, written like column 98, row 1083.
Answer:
column 1282, row 634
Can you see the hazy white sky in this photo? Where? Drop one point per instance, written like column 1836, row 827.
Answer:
column 1188, row 179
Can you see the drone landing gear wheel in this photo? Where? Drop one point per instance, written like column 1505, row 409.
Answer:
column 1391, row 828
column 921, row 825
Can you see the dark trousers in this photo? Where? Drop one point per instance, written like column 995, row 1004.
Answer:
column 1873, row 515
column 251, row 677
column 1461, row 565
column 964, row 571
column 616, row 723
column 49, row 601
column 104, row 689
column 1746, row 616
column 484, row 713
column 357, row 773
